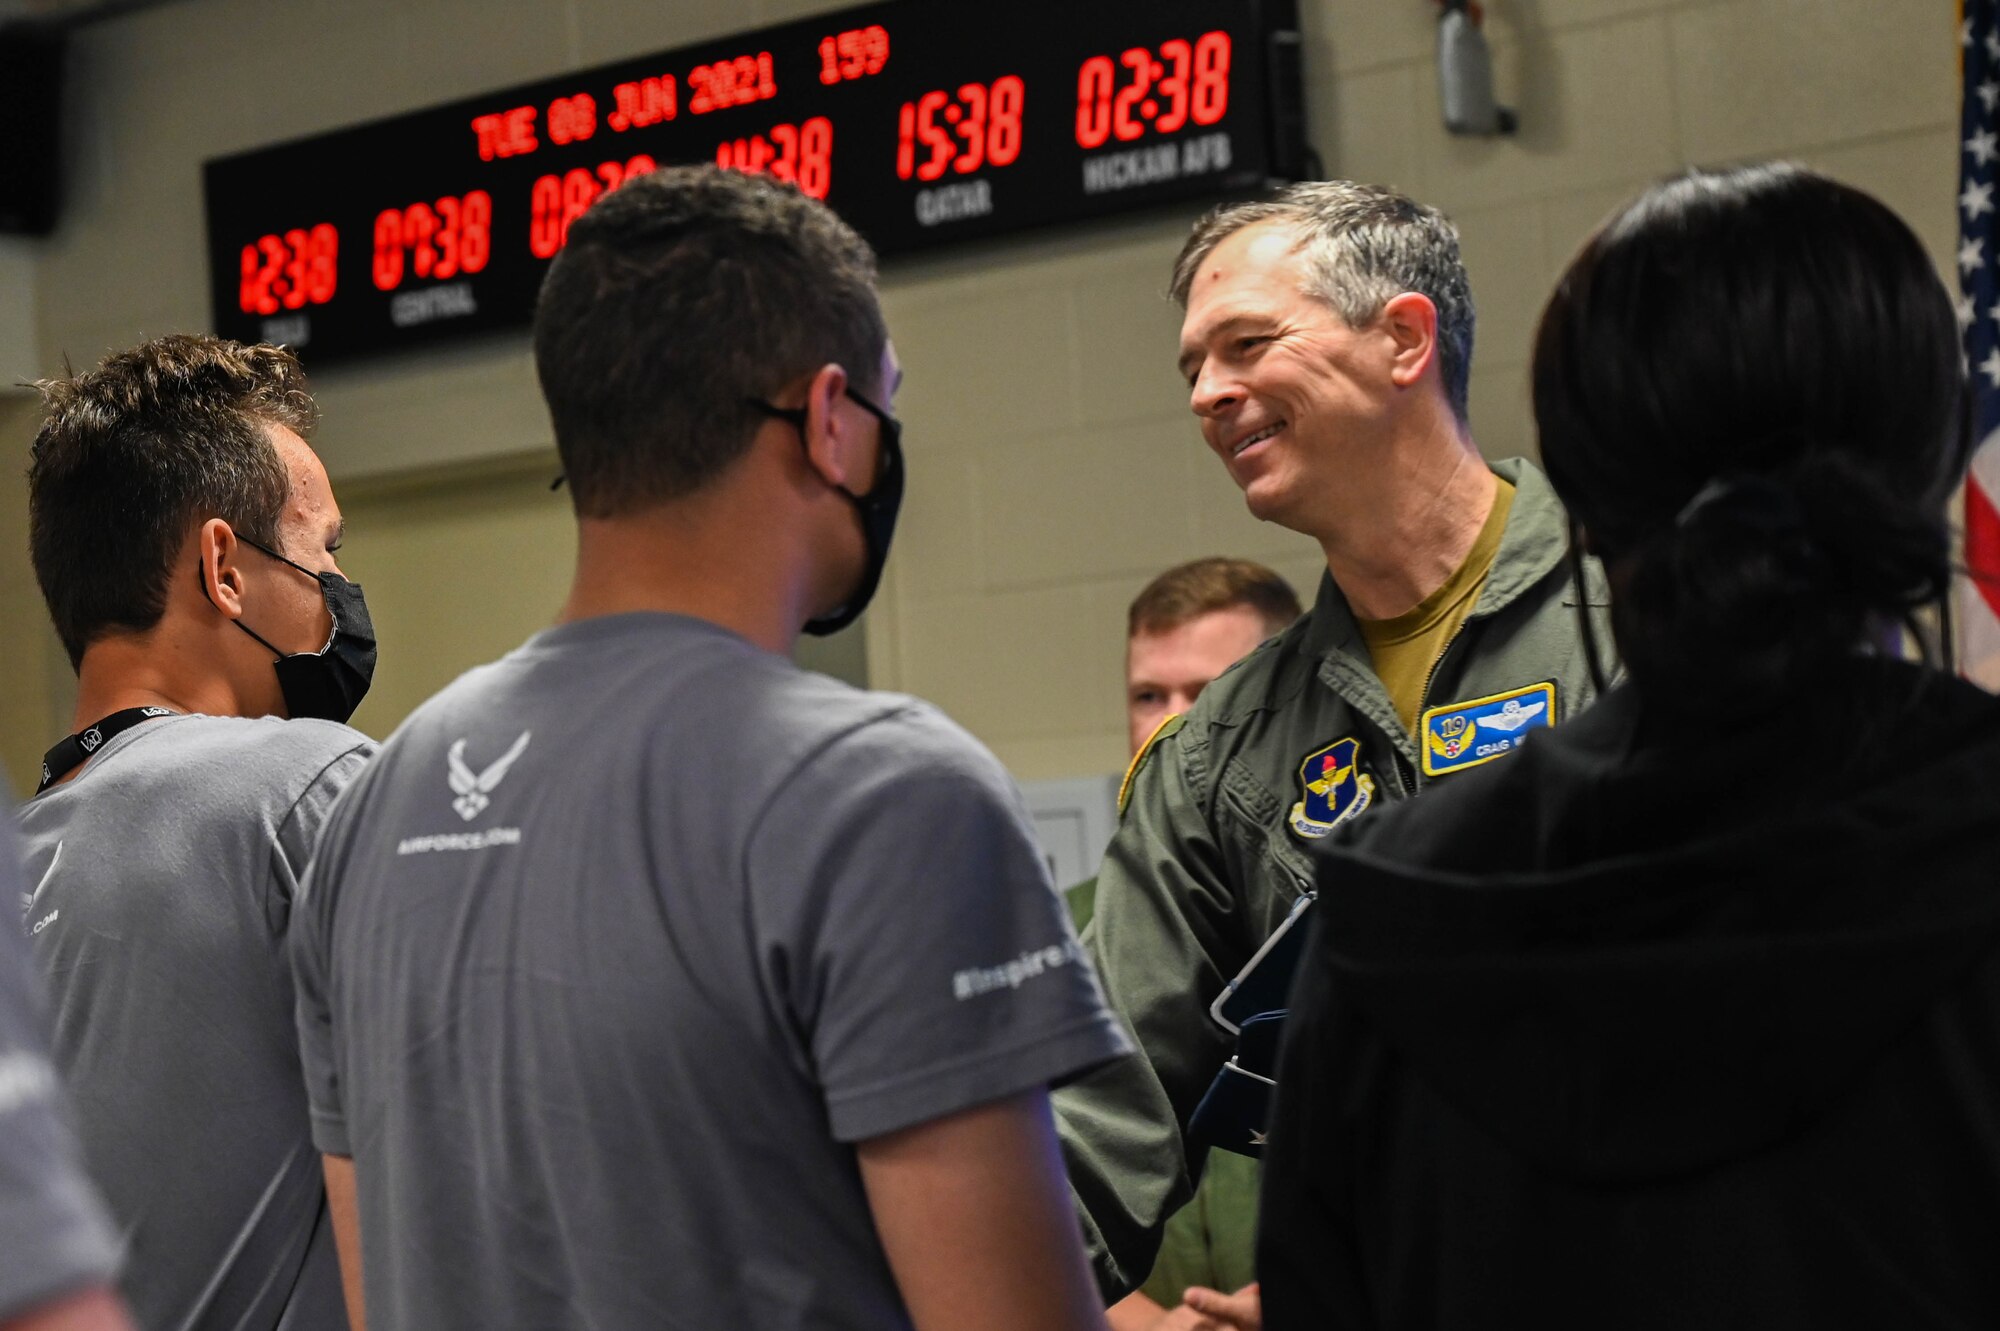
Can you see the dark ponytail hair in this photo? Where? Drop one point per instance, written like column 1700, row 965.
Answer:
column 1751, row 397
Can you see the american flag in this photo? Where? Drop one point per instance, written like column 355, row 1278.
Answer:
column 1979, row 316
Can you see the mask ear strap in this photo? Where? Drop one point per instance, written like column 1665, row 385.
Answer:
column 259, row 637
column 202, row 583
column 1586, row 629
column 796, row 417
column 265, row 549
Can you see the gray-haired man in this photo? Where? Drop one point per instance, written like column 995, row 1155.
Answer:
column 1327, row 346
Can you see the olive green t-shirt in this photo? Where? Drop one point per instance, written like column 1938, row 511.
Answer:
column 1407, row 647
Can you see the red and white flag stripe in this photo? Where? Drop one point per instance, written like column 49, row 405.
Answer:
column 1979, row 599
column 1978, row 263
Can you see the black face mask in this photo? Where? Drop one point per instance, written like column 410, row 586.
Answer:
column 331, row 682
column 876, row 509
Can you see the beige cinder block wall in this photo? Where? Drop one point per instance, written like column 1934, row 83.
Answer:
column 1053, row 463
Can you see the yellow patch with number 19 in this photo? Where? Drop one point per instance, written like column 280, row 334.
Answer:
column 1460, row 735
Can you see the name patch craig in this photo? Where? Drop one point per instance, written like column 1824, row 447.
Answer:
column 1333, row 788
column 1465, row 734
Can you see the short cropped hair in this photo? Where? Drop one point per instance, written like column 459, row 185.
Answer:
column 1364, row 246
column 132, row 454
column 678, row 300
column 1205, row 586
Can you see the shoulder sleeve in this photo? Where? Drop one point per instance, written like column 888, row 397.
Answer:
column 1164, row 938
column 299, row 829
column 52, row 1226
column 309, row 943
column 905, row 922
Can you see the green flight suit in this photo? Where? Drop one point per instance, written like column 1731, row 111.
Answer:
column 1212, row 848
column 1211, row 1241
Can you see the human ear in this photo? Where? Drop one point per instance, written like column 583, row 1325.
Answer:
column 1410, row 322
column 221, row 580
column 830, row 439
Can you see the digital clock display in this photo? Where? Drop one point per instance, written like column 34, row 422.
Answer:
column 921, row 124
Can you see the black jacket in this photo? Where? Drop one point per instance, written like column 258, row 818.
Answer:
column 1687, row 1015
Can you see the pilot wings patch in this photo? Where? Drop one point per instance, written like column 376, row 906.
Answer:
column 1465, row 734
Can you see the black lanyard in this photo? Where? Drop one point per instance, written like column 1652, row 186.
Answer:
column 69, row 754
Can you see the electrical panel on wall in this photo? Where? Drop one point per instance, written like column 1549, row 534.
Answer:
column 1074, row 819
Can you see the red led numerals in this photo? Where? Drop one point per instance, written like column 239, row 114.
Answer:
column 560, row 200
column 434, row 241
column 1169, row 88
column 1211, row 78
column 644, row 102
column 802, row 154
column 727, row 83
column 291, row 271
column 572, row 119
column 980, row 127
column 854, row 54
column 1178, row 58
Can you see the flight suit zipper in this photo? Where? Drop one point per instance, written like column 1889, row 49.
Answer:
column 1423, row 704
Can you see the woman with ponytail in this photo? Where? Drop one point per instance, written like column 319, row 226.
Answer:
column 1688, row 1014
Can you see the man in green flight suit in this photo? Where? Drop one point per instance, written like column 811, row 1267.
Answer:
column 1327, row 344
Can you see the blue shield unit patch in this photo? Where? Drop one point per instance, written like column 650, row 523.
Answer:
column 1334, row 789
column 1465, row 734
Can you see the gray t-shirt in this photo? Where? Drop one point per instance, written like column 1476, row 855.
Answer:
column 54, row 1237
column 623, row 942
column 165, row 873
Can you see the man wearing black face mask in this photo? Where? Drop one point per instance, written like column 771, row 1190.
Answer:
column 183, row 534
column 646, row 978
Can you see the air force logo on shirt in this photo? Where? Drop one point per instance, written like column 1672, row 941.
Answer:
column 472, row 792
column 1465, row 734
column 1333, row 787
